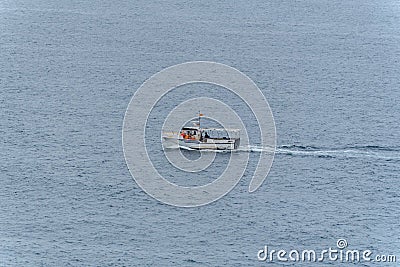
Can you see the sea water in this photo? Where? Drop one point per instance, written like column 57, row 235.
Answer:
column 329, row 70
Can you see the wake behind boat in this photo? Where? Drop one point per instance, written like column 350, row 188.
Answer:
column 196, row 137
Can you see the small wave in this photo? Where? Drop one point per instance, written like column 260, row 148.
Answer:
column 377, row 148
column 171, row 146
column 45, row 10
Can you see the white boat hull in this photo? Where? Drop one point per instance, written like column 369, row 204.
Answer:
column 210, row 144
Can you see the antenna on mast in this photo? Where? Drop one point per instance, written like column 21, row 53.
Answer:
column 200, row 115
column 199, row 118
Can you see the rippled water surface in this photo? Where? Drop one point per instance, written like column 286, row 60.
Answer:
column 329, row 69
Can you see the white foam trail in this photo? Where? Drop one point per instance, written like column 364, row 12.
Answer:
column 362, row 152
column 379, row 153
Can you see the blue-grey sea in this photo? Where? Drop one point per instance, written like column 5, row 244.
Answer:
column 330, row 71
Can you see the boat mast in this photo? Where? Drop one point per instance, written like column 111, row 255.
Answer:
column 199, row 119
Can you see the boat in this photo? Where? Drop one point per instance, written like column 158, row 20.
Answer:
column 197, row 138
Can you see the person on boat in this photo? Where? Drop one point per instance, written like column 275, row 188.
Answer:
column 183, row 135
column 206, row 135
